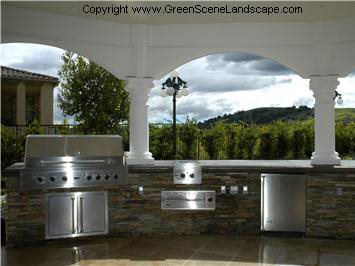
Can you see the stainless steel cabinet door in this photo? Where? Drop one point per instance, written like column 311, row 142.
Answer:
column 283, row 202
column 61, row 215
column 93, row 212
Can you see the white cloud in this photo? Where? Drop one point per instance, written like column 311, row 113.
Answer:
column 32, row 57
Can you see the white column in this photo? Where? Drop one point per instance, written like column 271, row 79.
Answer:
column 139, row 89
column 21, row 104
column 46, row 104
column 323, row 88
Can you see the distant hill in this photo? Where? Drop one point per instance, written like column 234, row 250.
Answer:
column 265, row 115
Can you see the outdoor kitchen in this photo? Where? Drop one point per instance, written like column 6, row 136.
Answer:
column 66, row 191
column 177, row 133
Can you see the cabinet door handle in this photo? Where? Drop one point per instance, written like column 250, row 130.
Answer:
column 73, row 215
column 81, row 215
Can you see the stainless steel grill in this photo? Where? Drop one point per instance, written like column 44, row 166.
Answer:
column 73, row 161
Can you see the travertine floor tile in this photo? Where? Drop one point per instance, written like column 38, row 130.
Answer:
column 208, row 259
column 172, row 255
column 185, row 250
column 139, row 248
column 333, row 259
column 222, row 247
column 189, row 242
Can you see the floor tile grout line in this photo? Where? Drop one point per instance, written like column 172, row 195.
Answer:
column 237, row 252
column 198, row 250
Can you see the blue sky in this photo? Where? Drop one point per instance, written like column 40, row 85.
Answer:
column 218, row 84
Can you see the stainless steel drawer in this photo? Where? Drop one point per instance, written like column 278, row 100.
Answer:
column 188, row 200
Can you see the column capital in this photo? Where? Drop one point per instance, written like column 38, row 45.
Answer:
column 47, row 85
column 21, row 85
column 138, row 85
column 323, row 84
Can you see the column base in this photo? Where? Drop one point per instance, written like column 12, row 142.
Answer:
column 138, row 159
column 325, row 160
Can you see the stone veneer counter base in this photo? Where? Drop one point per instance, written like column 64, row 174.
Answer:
column 327, row 215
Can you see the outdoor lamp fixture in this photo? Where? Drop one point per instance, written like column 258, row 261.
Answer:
column 176, row 87
column 338, row 95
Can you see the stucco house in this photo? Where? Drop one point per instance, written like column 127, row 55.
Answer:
column 26, row 96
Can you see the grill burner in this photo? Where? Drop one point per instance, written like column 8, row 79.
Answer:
column 73, row 161
column 187, row 173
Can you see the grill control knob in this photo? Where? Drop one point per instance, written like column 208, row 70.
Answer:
column 52, row 178
column 64, row 178
column 98, row 177
column 107, row 177
column 182, row 175
column 192, row 175
column 39, row 179
column 115, row 177
column 210, row 199
column 89, row 177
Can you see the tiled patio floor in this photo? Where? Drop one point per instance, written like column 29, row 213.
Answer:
column 185, row 250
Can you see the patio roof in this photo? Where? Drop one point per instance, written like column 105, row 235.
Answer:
column 312, row 11
column 13, row 73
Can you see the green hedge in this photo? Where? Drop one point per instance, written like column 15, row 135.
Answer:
column 279, row 140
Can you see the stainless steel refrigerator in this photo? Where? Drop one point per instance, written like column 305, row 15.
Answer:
column 283, row 202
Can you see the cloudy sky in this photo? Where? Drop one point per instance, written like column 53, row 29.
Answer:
column 218, row 84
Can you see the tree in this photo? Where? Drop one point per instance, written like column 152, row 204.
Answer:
column 94, row 97
column 188, row 135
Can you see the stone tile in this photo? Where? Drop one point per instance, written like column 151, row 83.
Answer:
column 189, row 242
column 208, row 259
column 187, row 250
column 160, row 240
column 248, row 262
column 105, row 262
column 334, row 259
column 237, row 239
column 139, row 248
column 272, row 241
column 297, row 256
column 222, row 247
column 301, row 242
column 172, row 255
column 250, row 252
column 337, row 246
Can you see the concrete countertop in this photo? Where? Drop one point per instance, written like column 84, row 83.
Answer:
column 290, row 166
column 282, row 166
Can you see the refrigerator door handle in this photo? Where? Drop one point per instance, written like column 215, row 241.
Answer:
column 262, row 227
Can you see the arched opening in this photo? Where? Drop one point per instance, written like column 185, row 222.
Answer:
column 235, row 88
column 233, row 78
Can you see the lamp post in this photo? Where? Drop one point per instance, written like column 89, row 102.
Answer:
column 176, row 87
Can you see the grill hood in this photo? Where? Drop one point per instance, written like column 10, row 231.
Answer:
column 42, row 146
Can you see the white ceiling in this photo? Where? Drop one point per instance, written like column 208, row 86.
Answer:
column 312, row 11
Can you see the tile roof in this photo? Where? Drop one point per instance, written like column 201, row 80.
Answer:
column 12, row 73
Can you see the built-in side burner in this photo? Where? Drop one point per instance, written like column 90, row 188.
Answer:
column 187, row 173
